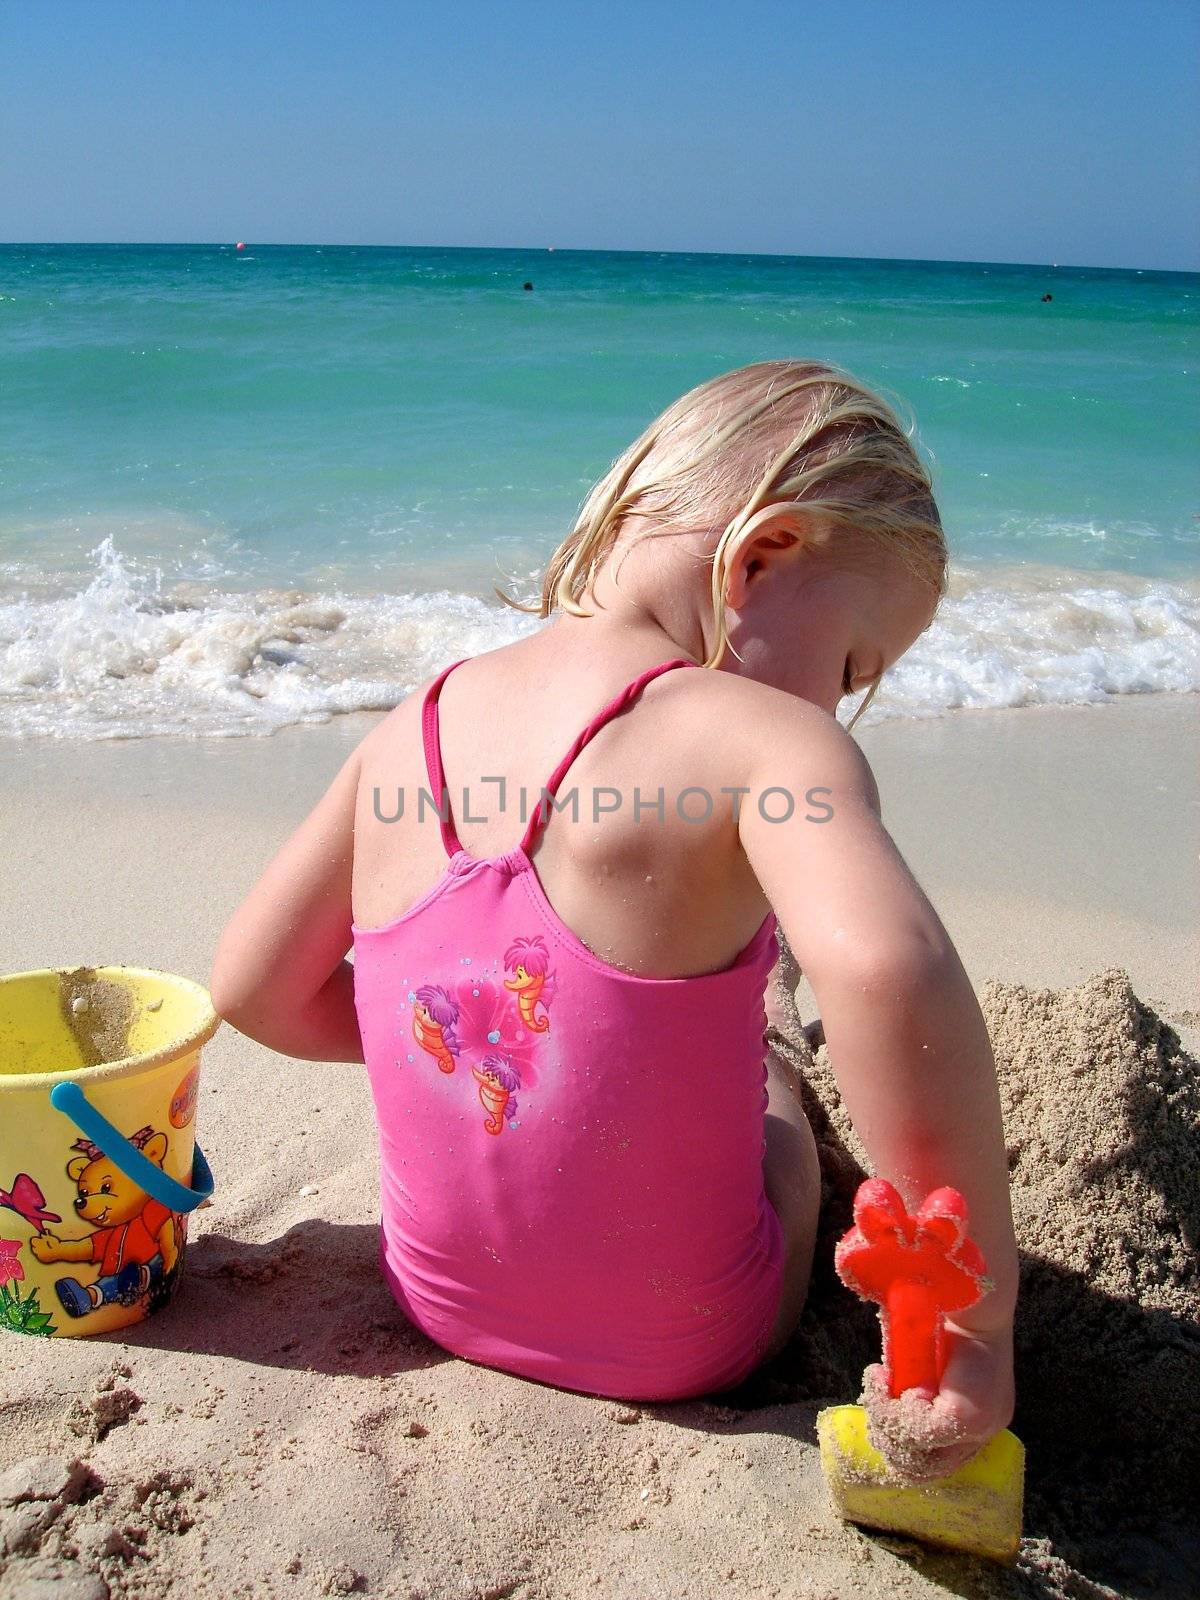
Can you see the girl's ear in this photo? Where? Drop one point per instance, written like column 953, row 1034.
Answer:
column 775, row 534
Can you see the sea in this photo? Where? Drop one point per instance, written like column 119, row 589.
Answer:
column 244, row 488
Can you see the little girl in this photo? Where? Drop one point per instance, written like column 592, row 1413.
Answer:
column 561, row 866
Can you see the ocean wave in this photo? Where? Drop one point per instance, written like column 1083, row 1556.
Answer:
column 125, row 655
column 1024, row 636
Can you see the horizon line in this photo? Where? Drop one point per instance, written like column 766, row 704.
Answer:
column 542, row 249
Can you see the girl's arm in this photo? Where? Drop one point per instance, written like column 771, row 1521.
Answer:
column 906, row 1038
column 280, row 974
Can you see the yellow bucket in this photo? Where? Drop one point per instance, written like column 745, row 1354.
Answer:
column 99, row 1166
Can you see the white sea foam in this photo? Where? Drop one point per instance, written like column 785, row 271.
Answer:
column 1029, row 636
column 126, row 654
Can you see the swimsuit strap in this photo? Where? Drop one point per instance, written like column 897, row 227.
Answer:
column 433, row 758
column 629, row 693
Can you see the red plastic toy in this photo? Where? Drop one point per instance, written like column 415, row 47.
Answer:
column 917, row 1269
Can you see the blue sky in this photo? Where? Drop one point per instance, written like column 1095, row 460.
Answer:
column 1008, row 131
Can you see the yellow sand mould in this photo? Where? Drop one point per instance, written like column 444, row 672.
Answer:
column 976, row 1509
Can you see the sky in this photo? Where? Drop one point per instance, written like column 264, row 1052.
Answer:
column 1066, row 131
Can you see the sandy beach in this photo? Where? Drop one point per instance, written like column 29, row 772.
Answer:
column 279, row 1430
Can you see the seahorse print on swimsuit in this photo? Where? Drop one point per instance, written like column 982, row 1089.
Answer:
column 498, row 1082
column 434, row 1016
column 489, row 1022
column 529, row 960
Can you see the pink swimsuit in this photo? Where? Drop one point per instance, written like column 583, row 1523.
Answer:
column 571, row 1155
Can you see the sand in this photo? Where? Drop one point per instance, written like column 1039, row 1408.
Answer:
column 98, row 1012
column 280, row 1429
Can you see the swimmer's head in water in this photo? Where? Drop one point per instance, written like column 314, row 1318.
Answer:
column 802, row 436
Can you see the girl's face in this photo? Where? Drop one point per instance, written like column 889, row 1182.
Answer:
column 816, row 629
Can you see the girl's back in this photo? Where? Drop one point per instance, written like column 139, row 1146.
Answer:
column 654, row 888
column 567, row 1060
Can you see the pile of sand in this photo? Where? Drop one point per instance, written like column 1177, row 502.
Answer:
column 1102, row 1118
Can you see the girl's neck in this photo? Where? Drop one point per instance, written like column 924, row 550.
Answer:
column 627, row 632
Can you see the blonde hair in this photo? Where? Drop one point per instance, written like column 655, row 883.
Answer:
column 798, row 431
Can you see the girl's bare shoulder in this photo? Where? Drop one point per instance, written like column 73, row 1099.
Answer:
column 396, row 725
column 747, row 712
column 761, row 735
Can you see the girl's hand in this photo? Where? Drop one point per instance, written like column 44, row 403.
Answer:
column 924, row 1436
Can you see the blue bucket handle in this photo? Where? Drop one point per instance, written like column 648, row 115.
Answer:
column 70, row 1099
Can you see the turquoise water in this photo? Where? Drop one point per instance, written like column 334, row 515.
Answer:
column 189, row 430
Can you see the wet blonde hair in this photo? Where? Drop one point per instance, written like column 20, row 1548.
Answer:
column 799, row 431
